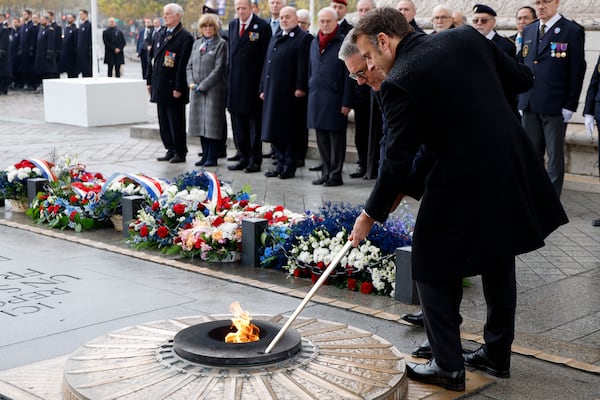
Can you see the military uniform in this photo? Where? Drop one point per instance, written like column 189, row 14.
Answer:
column 68, row 54
column 5, row 58
column 45, row 53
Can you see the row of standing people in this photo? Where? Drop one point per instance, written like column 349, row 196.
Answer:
column 34, row 51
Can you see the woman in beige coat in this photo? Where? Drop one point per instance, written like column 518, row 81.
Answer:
column 206, row 77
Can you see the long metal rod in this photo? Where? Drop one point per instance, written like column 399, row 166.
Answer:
column 309, row 295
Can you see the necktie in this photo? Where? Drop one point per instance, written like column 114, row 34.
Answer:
column 242, row 30
column 542, row 30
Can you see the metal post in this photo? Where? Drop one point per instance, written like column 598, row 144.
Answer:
column 130, row 206
column 405, row 290
column 252, row 228
column 35, row 185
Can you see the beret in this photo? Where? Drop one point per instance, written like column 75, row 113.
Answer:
column 482, row 8
column 344, row 2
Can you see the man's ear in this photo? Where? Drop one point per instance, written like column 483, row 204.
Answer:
column 383, row 41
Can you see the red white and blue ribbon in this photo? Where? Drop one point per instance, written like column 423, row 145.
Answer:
column 43, row 166
column 214, row 190
column 151, row 185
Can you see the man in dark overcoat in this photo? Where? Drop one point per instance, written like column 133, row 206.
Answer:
column 330, row 92
column 5, row 56
column 58, row 33
column 17, row 74
column 249, row 38
column 84, row 45
column 553, row 48
column 283, row 89
column 167, row 82
column 144, row 40
column 27, row 40
column 114, row 42
column 484, row 199
column 68, row 59
column 45, row 51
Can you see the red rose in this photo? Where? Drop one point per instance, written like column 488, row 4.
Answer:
column 98, row 175
column 198, row 244
column 179, row 209
column 24, row 164
column 226, row 206
column 155, row 206
column 283, row 218
column 321, row 265
column 279, row 208
column 366, row 288
column 73, row 199
column 187, row 226
column 144, row 231
column 84, row 201
column 218, row 221
column 56, row 209
column 269, row 215
column 73, row 215
column 352, row 283
column 243, row 203
column 162, row 232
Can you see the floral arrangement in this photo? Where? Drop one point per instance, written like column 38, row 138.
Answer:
column 307, row 247
column 13, row 179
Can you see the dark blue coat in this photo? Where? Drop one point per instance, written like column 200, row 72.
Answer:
column 45, row 52
column 329, row 87
column 168, row 69
column 5, row 52
column 68, row 54
column 246, row 59
column 28, row 37
column 558, row 80
column 14, row 51
column 113, row 39
column 592, row 98
column 284, row 72
column 84, row 49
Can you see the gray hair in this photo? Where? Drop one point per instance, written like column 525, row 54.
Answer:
column 176, row 8
column 303, row 13
column 348, row 48
column 373, row 3
column 442, row 7
column 329, row 10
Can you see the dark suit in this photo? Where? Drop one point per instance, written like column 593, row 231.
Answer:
column 27, row 40
column 113, row 39
column 58, row 33
column 329, row 89
column 345, row 27
column 246, row 59
column 45, row 53
column 5, row 58
column 17, row 74
column 144, row 40
column 558, row 83
column 84, row 49
column 68, row 55
column 592, row 98
column 486, row 198
column 166, row 74
column 284, row 115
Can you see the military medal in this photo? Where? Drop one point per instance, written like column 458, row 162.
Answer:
column 562, row 47
column 556, row 30
column 525, row 51
column 553, row 47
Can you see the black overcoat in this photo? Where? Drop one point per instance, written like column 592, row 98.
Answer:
column 68, row 54
column 284, row 72
column 167, row 71
column 45, row 51
column 244, row 69
column 487, row 195
column 113, row 39
column 592, row 97
column 84, row 48
column 5, row 52
column 27, row 39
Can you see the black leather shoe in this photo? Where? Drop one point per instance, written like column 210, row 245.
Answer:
column 199, row 163
column 166, row 157
column 210, row 164
column 177, row 159
column 319, row 181
column 480, row 360
column 238, row 167
column 431, row 373
column 423, row 351
column 299, row 163
column 252, row 168
column 287, row 175
column 415, row 318
column 236, row 157
column 316, row 168
column 268, row 155
column 359, row 173
column 333, row 182
column 272, row 173
column 596, row 222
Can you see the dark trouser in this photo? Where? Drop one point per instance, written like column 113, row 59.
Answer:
column 332, row 150
column 362, row 116
column 171, row 120
column 440, row 302
column 4, row 81
column 117, row 68
column 210, row 148
column 246, row 131
column 375, row 135
column 286, row 153
column 547, row 134
column 144, row 63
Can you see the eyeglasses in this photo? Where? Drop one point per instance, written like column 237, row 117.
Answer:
column 359, row 74
column 206, row 26
column 481, row 20
column 544, row 2
column 441, row 18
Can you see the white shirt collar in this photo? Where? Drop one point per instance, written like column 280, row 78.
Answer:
column 247, row 22
column 551, row 21
column 491, row 35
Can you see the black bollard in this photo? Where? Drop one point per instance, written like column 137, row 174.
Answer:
column 252, row 228
column 406, row 290
column 130, row 206
column 35, row 185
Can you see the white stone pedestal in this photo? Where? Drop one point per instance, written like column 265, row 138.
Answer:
column 95, row 101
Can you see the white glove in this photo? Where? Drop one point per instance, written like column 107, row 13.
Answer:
column 567, row 115
column 521, row 113
column 589, row 125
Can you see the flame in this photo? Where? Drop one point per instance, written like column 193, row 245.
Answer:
column 246, row 331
